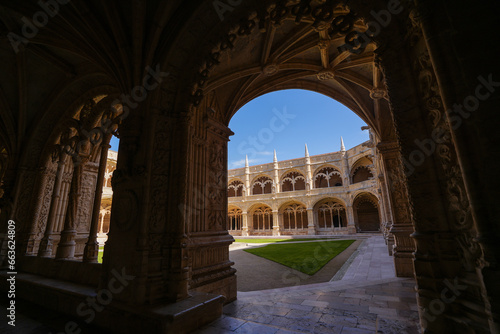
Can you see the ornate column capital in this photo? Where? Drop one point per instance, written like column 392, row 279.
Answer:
column 388, row 147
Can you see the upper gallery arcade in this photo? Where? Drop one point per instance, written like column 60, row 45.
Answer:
column 331, row 193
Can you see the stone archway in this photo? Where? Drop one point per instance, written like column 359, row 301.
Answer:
column 169, row 222
column 366, row 213
column 218, row 90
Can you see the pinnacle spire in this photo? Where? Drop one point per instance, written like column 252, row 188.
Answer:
column 275, row 157
column 246, row 160
column 342, row 146
column 307, row 152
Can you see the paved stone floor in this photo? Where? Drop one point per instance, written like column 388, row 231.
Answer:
column 365, row 297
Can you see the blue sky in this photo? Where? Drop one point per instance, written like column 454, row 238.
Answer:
column 284, row 121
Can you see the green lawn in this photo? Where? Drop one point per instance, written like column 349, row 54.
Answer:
column 101, row 252
column 307, row 257
column 265, row 241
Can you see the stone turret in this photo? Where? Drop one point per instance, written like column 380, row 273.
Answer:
column 308, row 171
column 276, row 186
column 345, row 162
column 247, row 177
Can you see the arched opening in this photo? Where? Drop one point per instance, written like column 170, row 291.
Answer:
column 235, row 223
column 362, row 170
column 107, row 196
column 366, row 211
column 293, row 181
column 327, row 177
column 77, row 200
column 235, row 189
column 294, row 218
column 330, row 215
column 262, row 185
column 262, row 219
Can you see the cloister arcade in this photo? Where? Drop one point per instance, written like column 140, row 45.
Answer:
column 167, row 76
column 320, row 187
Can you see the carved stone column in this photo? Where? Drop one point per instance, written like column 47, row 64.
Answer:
column 45, row 248
column 209, row 240
column 386, row 204
column 311, row 224
column 91, row 250
column 351, row 226
column 276, row 223
column 468, row 101
column 147, row 238
column 67, row 243
column 446, row 248
column 402, row 226
column 244, row 216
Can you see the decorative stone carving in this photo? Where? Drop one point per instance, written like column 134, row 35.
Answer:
column 324, row 44
column 458, row 201
column 378, row 93
column 326, row 74
column 217, row 184
column 270, row 69
column 87, row 191
column 46, row 200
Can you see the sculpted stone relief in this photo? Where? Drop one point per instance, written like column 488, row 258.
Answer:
column 49, row 177
column 217, row 186
column 399, row 192
column 458, row 203
column 87, row 199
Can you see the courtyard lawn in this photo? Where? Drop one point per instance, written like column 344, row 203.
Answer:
column 307, row 257
column 101, row 252
column 265, row 241
column 258, row 241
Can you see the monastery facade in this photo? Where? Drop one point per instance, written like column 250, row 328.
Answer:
column 327, row 194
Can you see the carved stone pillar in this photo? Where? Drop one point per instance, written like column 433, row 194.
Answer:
column 244, row 216
column 351, row 226
column 311, row 224
column 67, row 243
column 209, row 240
column 147, row 236
column 45, row 248
column 446, row 248
column 91, row 250
column 276, row 223
column 468, row 101
column 385, row 203
column 402, row 226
